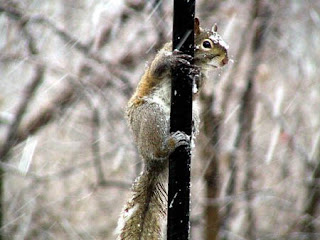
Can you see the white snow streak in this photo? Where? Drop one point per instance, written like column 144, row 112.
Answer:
column 27, row 155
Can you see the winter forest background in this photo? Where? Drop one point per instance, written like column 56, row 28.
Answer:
column 67, row 69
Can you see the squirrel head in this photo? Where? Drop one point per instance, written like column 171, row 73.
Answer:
column 210, row 48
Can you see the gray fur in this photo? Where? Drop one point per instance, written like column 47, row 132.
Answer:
column 148, row 115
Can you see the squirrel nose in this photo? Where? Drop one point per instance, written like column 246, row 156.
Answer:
column 225, row 60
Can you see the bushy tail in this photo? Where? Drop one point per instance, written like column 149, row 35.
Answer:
column 143, row 216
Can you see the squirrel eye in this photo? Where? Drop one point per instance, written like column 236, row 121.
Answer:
column 206, row 44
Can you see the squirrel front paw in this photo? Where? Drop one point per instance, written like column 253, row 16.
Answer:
column 179, row 59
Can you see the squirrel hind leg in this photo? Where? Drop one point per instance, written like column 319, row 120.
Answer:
column 173, row 141
column 177, row 139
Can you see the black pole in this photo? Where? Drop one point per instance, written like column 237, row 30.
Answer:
column 181, row 120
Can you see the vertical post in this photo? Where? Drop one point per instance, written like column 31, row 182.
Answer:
column 181, row 120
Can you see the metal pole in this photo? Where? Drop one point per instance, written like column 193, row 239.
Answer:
column 181, row 120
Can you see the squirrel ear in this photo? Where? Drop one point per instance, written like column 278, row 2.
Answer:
column 196, row 26
column 215, row 28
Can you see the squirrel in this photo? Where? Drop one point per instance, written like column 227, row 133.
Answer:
column 148, row 114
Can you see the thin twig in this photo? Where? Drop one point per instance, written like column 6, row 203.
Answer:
column 95, row 147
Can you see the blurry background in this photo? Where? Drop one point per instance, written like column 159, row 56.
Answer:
column 67, row 69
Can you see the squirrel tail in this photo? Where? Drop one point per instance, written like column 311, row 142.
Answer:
column 143, row 215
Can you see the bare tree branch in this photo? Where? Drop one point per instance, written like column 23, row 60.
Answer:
column 311, row 205
column 10, row 139
column 67, row 172
column 209, row 152
column 46, row 115
column 228, row 85
column 285, row 127
column 95, row 147
column 16, row 14
column 261, row 15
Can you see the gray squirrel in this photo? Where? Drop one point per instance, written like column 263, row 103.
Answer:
column 148, row 112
